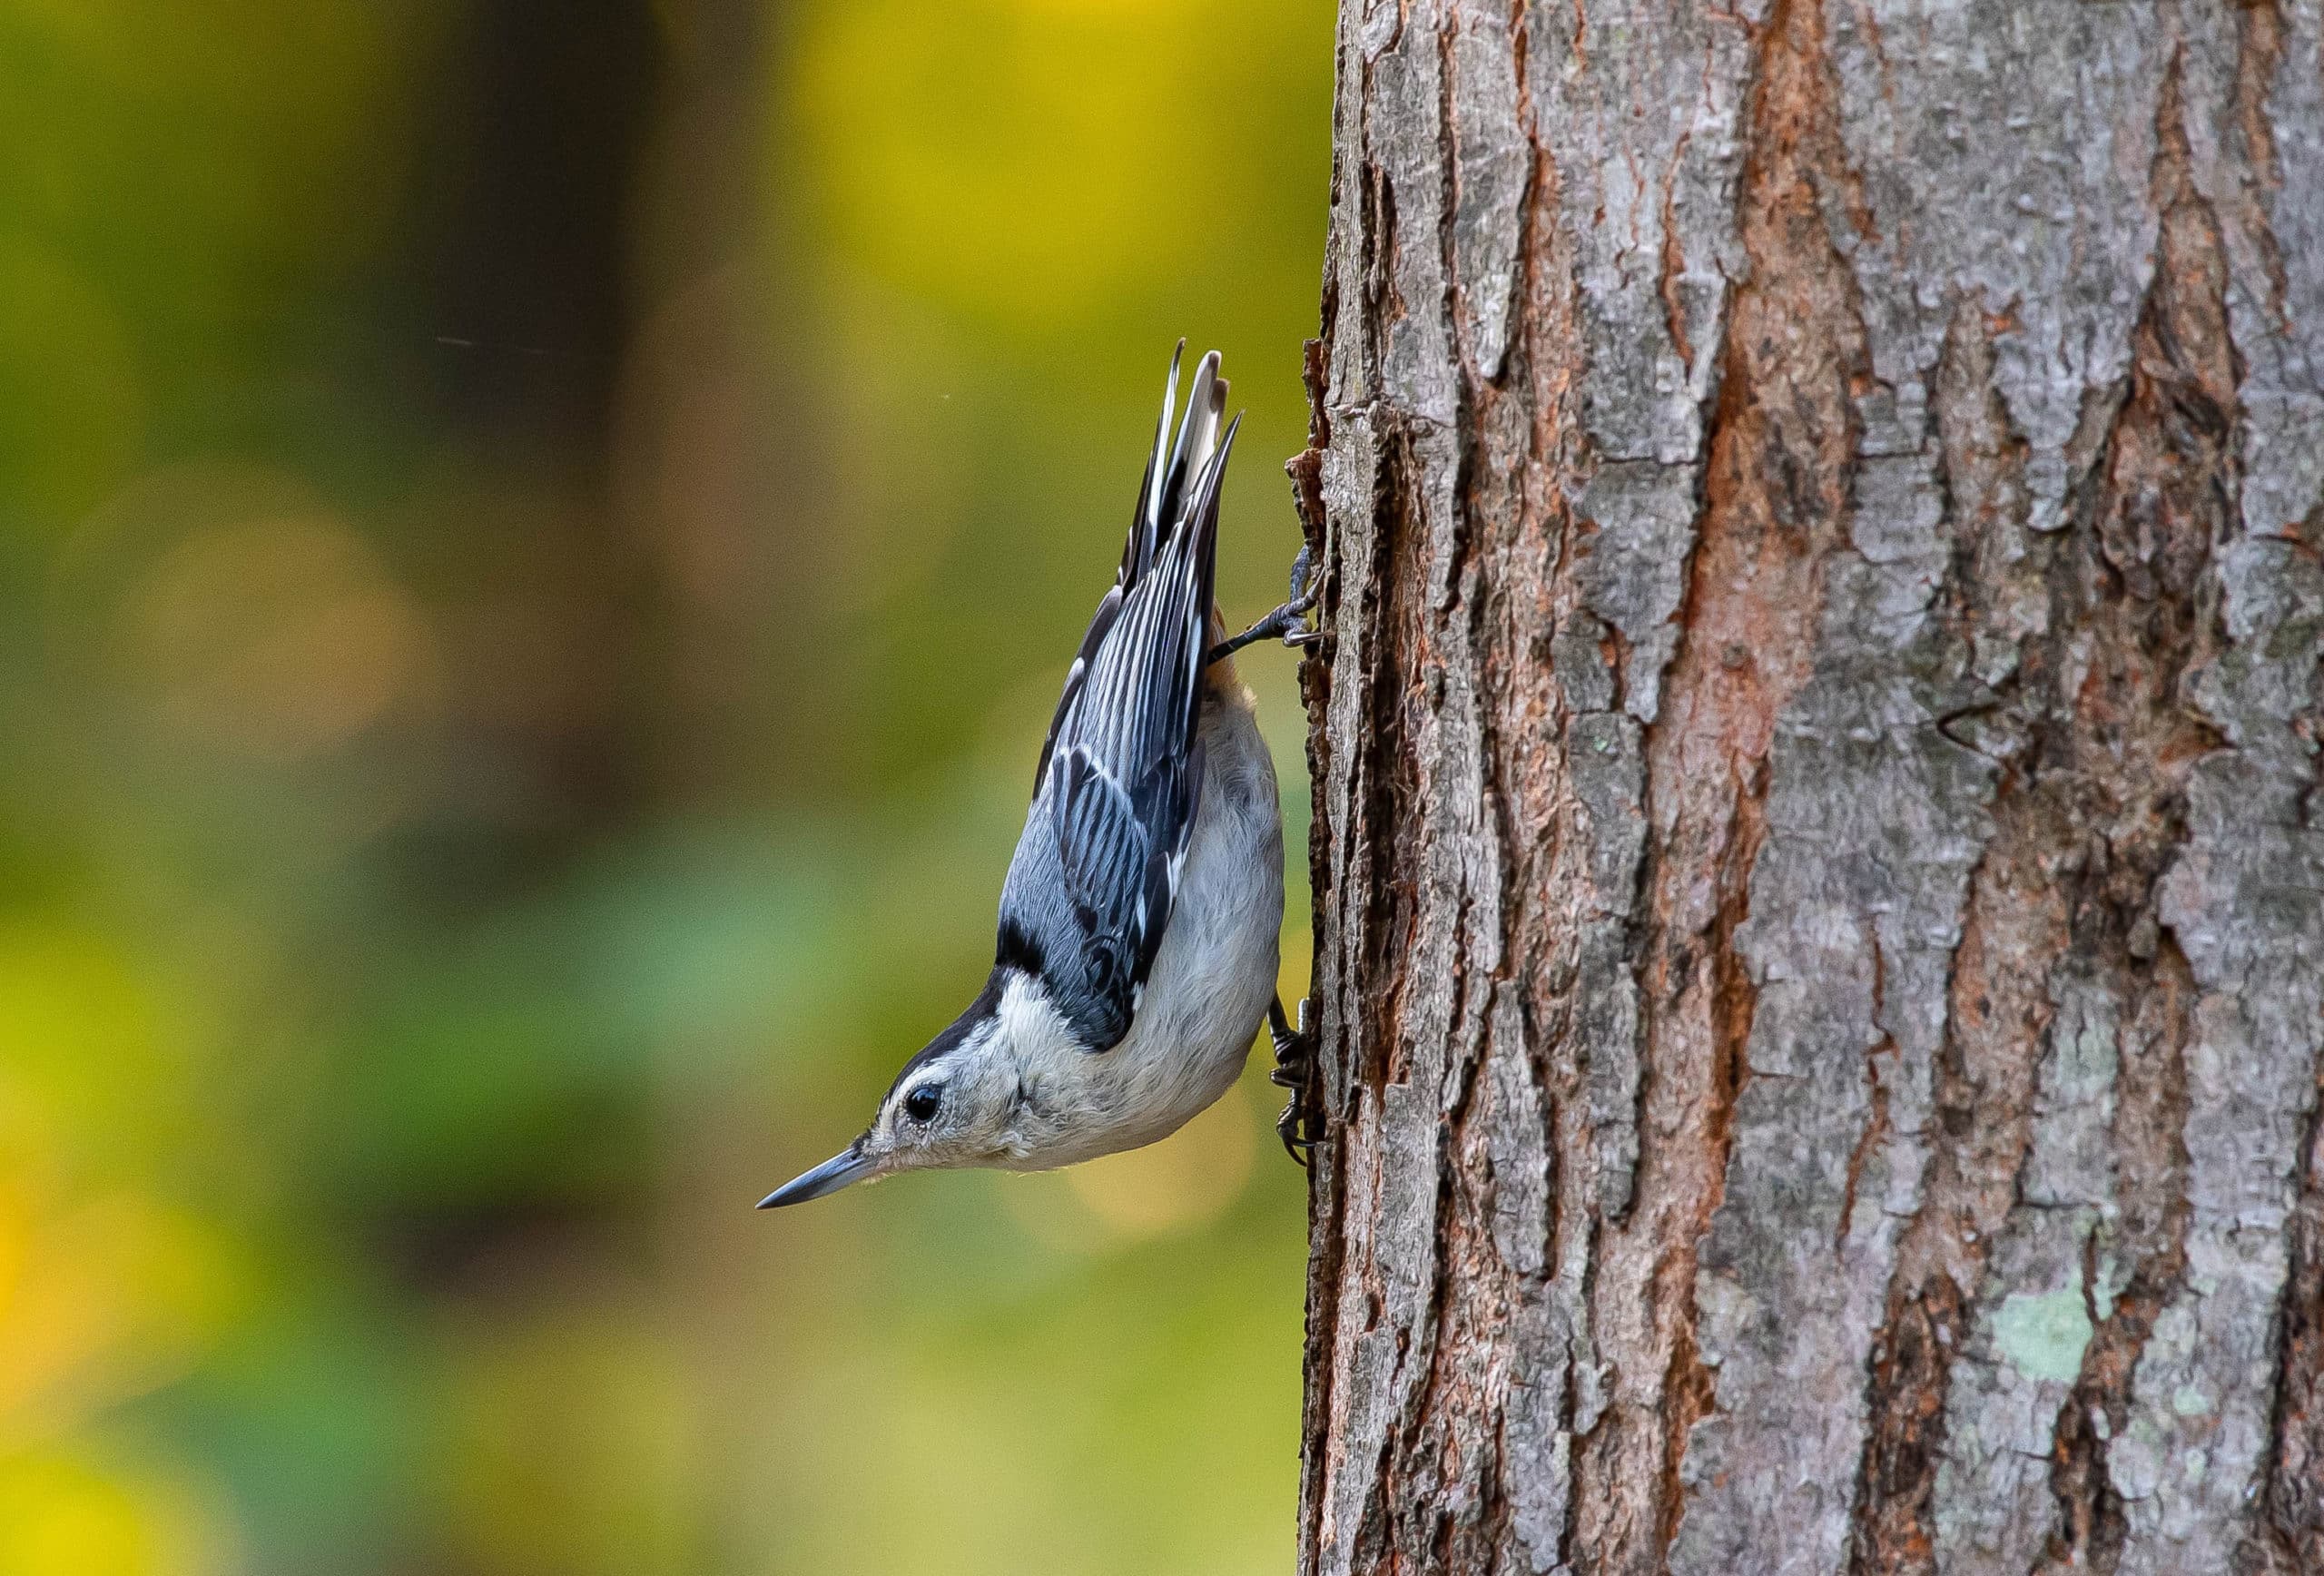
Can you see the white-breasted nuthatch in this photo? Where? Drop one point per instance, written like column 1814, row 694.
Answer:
column 1138, row 922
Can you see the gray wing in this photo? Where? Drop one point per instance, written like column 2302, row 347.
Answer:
column 1097, row 872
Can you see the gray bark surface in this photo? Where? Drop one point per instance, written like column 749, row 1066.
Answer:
column 1819, row 851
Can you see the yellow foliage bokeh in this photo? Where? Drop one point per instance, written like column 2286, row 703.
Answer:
column 535, row 548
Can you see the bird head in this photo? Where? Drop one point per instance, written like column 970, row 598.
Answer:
column 961, row 1101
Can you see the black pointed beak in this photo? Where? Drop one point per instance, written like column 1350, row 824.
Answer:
column 849, row 1165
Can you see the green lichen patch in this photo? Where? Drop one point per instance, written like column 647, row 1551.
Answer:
column 2043, row 1336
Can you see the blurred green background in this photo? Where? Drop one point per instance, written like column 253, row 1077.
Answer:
column 537, row 542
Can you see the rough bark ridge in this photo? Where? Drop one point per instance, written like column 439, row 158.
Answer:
column 1819, row 837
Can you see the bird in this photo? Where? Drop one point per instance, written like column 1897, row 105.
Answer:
column 1136, row 949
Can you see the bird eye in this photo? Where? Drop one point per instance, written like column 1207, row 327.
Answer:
column 921, row 1104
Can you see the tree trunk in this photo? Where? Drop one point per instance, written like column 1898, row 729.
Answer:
column 1819, row 846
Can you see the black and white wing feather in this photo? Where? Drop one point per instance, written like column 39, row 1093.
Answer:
column 1097, row 872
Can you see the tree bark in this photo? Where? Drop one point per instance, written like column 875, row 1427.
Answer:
column 1818, row 844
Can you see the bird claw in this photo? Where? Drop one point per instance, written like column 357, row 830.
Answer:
column 1301, row 1123
column 1302, row 594
column 1287, row 623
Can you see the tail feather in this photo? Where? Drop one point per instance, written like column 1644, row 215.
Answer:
column 1176, row 465
column 1202, row 547
column 1198, row 438
column 1147, row 525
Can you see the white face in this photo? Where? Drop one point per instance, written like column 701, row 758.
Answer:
column 1008, row 1094
column 1005, row 1092
column 954, row 1109
column 959, row 1107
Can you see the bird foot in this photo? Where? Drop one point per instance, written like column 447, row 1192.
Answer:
column 1301, row 1124
column 1287, row 623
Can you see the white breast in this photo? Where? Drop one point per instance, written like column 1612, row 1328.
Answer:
column 1212, row 979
